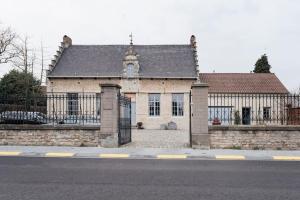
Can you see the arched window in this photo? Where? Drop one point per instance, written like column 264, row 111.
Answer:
column 130, row 68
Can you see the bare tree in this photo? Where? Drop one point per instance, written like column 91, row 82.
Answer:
column 7, row 45
column 25, row 56
column 24, row 60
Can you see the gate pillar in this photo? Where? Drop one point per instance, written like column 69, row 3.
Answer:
column 109, row 127
column 199, row 116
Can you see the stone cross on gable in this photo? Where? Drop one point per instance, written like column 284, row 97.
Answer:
column 131, row 38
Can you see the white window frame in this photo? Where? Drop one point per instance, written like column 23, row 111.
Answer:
column 177, row 104
column 154, row 104
column 267, row 115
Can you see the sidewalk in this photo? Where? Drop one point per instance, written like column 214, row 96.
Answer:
column 147, row 153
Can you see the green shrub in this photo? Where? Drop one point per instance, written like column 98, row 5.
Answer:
column 237, row 118
column 234, row 147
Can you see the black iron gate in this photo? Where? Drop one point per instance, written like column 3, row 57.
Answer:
column 190, row 117
column 124, row 120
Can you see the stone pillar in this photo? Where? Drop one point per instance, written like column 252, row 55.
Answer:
column 199, row 116
column 109, row 115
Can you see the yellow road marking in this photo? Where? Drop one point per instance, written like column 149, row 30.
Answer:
column 171, row 156
column 59, row 154
column 111, row 155
column 9, row 153
column 286, row 157
column 230, row 157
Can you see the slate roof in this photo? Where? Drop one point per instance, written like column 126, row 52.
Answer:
column 258, row 83
column 156, row 61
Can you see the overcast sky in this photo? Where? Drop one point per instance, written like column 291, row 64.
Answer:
column 231, row 34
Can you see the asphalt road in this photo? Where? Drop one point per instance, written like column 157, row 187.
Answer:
column 83, row 179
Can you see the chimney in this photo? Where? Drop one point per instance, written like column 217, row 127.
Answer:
column 67, row 41
column 193, row 42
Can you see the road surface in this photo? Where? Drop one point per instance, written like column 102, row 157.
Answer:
column 25, row 178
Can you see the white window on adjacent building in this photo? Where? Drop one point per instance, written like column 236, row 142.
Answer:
column 267, row 113
column 130, row 70
column 177, row 104
column 154, row 104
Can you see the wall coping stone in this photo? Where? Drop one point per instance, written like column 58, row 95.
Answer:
column 255, row 128
column 199, row 84
column 47, row 127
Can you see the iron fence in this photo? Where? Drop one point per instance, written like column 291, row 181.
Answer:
column 253, row 109
column 124, row 119
column 58, row 108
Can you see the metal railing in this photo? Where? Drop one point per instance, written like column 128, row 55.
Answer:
column 124, row 119
column 58, row 108
column 253, row 109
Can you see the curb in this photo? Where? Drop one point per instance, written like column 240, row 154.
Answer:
column 158, row 156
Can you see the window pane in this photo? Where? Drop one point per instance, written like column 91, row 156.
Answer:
column 72, row 103
column 98, row 104
column 221, row 113
column 130, row 70
column 266, row 113
column 177, row 104
column 154, row 104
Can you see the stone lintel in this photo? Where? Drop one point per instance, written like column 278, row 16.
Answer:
column 110, row 85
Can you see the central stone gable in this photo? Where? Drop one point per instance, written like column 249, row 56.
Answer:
column 131, row 65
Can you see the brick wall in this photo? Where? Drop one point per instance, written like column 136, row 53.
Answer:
column 255, row 137
column 44, row 135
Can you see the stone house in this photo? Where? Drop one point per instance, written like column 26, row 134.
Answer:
column 157, row 78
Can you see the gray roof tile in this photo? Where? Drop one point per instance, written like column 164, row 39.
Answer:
column 156, row 61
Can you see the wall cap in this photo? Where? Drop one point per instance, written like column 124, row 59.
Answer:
column 47, row 127
column 255, row 128
column 199, row 84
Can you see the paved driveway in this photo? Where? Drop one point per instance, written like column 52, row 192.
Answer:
column 159, row 139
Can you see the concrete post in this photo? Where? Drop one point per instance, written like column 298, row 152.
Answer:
column 109, row 115
column 199, row 116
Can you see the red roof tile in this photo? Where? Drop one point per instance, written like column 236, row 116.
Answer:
column 243, row 83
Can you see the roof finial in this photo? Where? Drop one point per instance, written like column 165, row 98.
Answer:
column 131, row 37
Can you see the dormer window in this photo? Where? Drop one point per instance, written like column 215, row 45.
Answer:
column 130, row 62
column 130, row 70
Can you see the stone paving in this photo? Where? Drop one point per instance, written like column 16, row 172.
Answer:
column 159, row 139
